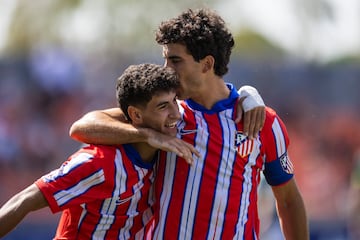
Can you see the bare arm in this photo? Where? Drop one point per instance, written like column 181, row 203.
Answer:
column 14, row 210
column 110, row 127
column 291, row 211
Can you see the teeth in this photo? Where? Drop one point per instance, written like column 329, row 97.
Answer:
column 171, row 125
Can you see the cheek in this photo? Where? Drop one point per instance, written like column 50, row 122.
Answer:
column 183, row 78
column 157, row 120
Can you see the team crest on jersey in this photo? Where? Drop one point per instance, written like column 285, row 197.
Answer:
column 243, row 144
column 286, row 164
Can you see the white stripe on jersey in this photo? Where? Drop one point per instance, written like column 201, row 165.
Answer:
column 193, row 185
column 120, row 185
column 166, row 192
column 223, row 184
column 64, row 196
column 279, row 136
column 67, row 167
column 109, row 205
column 247, row 186
column 132, row 209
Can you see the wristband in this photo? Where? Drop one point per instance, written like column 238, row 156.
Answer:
column 252, row 98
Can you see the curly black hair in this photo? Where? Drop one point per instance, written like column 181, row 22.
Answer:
column 139, row 83
column 203, row 32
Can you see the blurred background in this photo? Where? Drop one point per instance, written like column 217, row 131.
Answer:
column 60, row 59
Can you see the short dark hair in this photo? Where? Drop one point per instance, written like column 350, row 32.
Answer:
column 203, row 32
column 139, row 83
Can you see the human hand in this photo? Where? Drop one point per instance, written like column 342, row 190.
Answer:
column 172, row 144
column 250, row 106
column 253, row 120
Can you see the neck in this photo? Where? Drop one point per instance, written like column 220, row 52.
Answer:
column 212, row 91
column 146, row 151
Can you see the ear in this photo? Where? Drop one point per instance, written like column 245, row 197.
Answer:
column 135, row 114
column 208, row 63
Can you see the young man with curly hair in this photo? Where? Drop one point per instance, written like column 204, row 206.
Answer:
column 216, row 197
column 104, row 192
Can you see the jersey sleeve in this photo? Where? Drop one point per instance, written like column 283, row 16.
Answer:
column 78, row 180
column 274, row 136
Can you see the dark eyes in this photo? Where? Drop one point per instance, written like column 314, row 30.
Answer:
column 175, row 60
column 162, row 106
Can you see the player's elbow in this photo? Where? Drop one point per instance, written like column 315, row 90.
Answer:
column 76, row 131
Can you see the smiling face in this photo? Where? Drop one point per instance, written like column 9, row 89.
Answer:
column 161, row 113
column 147, row 95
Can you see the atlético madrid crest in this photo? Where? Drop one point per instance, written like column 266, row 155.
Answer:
column 243, row 144
column 286, row 164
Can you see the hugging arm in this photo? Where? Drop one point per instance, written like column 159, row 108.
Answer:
column 110, row 127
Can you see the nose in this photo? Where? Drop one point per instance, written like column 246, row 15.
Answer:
column 168, row 64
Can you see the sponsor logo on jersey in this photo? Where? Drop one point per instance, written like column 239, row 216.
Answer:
column 243, row 144
column 286, row 164
column 120, row 201
column 187, row 131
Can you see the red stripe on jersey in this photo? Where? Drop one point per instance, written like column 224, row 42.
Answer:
column 269, row 138
column 211, row 163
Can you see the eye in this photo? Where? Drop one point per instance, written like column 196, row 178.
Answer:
column 175, row 60
column 162, row 106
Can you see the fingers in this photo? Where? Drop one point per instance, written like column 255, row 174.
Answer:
column 187, row 151
column 254, row 121
column 182, row 149
column 173, row 144
column 252, row 132
column 239, row 110
column 247, row 120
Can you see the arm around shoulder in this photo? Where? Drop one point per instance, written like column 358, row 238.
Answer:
column 14, row 210
column 110, row 127
column 107, row 126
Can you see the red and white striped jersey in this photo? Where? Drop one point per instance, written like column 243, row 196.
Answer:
column 216, row 198
column 104, row 193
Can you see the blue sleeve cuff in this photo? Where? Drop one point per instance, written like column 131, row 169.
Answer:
column 278, row 171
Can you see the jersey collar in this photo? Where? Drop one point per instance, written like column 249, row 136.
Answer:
column 220, row 105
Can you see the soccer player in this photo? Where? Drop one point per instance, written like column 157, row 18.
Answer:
column 104, row 192
column 216, row 198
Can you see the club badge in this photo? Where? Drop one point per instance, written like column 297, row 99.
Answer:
column 243, row 144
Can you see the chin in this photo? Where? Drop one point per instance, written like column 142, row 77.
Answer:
column 172, row 132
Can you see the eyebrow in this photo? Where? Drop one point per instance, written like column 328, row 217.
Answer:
column 173, row 57
column 170, row 56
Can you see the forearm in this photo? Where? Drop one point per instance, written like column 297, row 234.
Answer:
column 106, row 127
column 110, row 133
column 293, row 219
column 9, row 217
column 14, row 210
